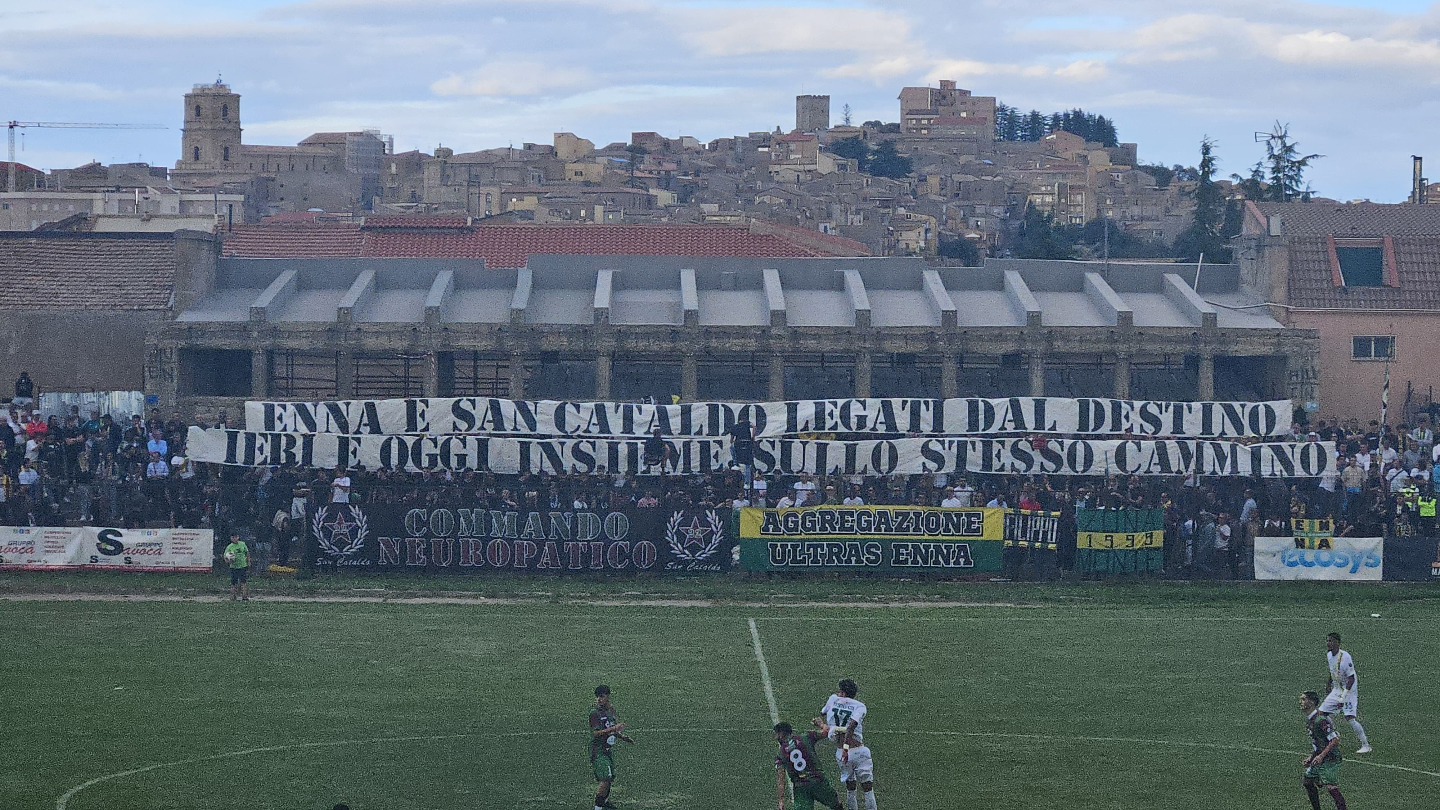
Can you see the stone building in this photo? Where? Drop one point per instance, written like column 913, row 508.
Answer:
column 335, row 171
column 946, row 111
column 75, row 307
column 812, row 113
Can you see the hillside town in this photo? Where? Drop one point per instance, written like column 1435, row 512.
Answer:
column 968, row 169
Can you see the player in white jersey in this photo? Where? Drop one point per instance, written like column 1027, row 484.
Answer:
column 1344, row 686
column 844, row 720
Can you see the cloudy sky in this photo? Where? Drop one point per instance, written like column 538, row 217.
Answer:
column 1357, row 80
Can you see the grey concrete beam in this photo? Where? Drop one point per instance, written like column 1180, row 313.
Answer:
column 279, row 291
column 1099, row 291
column 440, row 290
column 774, row 296
column 1205, row 384
column 689, row 296
column 520, row 301
column 356, row 297
column 940, row 299
column 604, row 288
column 1189, row 301
column 1022, row 301
column 259, row 374
column 859, row 298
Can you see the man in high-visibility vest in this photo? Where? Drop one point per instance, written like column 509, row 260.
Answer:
column 1426, row 504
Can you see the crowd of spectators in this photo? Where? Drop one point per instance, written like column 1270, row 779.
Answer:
column 94, row 469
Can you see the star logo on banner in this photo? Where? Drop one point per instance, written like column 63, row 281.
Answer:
column 340, row 536
column 695, row 533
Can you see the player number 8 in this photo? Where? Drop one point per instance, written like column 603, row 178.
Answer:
column 797, row 758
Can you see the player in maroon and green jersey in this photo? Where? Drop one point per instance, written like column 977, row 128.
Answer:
column 799, row 761
column 605, row 729
column 1322, row 766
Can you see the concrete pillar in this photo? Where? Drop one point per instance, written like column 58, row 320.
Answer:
column 260, row 374
column 1205, row 384
column 431, row 383
column 689, row 377
column 1122, row 376
column 949, row 376
column 517, row 376
column 345, row 375
column 862, row 375
column 603, row 364
column 1036, row 362
column 777, row 378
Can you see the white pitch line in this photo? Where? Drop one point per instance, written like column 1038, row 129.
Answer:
column 764, row 674
column 64, row 801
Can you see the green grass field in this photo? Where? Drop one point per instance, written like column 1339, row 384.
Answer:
column 1090, row 698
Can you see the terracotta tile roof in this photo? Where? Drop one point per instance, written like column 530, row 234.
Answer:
column 86, row 271
column 442, row 221
column 327, row 138
column 1353, row 219
column 282, row 240
column 1417, row 264
column 1413, row 231
column 511, row 245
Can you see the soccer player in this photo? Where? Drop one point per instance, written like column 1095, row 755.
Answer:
column 844, row 717
column 798, row 760
column 605, row 729
column 1322, row 766
column 1344, row 688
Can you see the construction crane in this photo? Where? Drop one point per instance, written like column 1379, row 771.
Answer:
column 14, row 125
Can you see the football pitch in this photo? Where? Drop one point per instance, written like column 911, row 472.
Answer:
column 438, row 706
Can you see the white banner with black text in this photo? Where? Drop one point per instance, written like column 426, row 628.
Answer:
column 927, row 417
column 908, row 456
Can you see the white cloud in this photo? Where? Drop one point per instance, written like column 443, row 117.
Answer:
column 1332, row 48
column 729, row 33
column 512, row 79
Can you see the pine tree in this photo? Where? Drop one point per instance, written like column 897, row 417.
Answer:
column 1203, row 236
column 886, row 162
column 1034, row 125
column 1285, row 167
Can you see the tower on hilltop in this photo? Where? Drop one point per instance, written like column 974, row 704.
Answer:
column 812, row 113
column 210, row 140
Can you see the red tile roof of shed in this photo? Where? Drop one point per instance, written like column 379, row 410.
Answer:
column 511, row 245
column 83, row 271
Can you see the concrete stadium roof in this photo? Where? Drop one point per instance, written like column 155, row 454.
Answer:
column 560, row 291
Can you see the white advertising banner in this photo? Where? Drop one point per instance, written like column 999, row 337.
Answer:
column 786, row 456
column 92, row 548
column 925, row 417
column 1354, row 559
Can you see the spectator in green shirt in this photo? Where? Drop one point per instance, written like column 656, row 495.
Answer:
column 237, row 554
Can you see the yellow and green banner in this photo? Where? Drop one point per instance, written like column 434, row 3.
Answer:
column 1119, row 541
column 884, row 539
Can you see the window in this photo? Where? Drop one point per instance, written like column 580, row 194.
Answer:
column 226, row 158
column 195, row 153
column 1361, row 266
column 1372, row 348
column 197, row 110
column 225, row 111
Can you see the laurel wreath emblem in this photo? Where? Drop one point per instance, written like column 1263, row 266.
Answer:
column 672, row 536
column 327, row 544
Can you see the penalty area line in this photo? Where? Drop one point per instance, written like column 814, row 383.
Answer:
column 764, row 673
